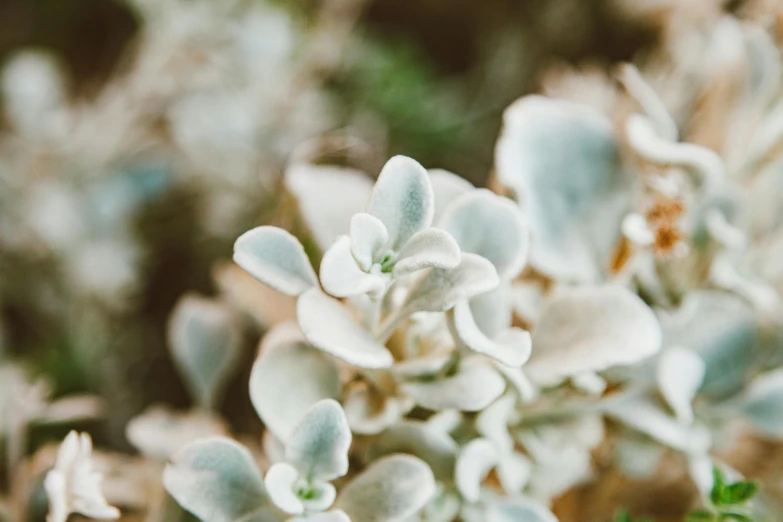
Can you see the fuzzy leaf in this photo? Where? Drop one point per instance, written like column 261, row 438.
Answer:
column 206, row 345
column 762, row 403
column 276, row 258
column 369, row 412
column 368, row 237
column 511, row 347
column 216, row 479
column 446, row 187
column 402, row 199
column 680, row 373
column 562, row 161
column 336, row 515
column 417, row 438
column 472, row 388
column 391, row 489
column 519, row 511
column 328, row 196
column 341, row 276
column 427, row 248
column 328, row 325
column 474, row 463
column 280, row 482
column 491, row 226
column 287, row 379
column 591, row 328
column 439, row 289
column 318, row 446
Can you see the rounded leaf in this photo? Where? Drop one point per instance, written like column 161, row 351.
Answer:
column 447, row 187
column 287, row 379
column 491, row 226
column 591, row 328
column 341, row 276
column 280, row 482
column 474, row 387
column 439, row 289
column 680, row 373
column 368, row 237
column 318, row 446
column 392, row 489
column 427, row 248
column 762, row 403
column 511, row 347
column 474, row 463
column 206, row 345
column 328, row 325
column 276, row 258
column 216, row 479
column 519, row 511
column 433, row 446
column 402, row 199
column 562, row 161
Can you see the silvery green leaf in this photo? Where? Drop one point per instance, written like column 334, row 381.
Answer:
column 328, row 196
column 562, row 161
column 514, row 471
column 444, row 507
column 491, row 226
column 680, row 373
column 473, row 388
column 433, row 446
column 390, row 490
column 318, row 445
column 336, row 515
column 518, row 510
column 427, row 248
column 762, row 403
column 287, row 378
column 446, row 187
column 492, row 422
column 159, row 432
column 637, row 456
column 369, row 412
column 647, row 143
column 368, row 237
column 328, row 325
column 216, row 479
column 206, row 345
column 511, row 347
column 276, row 258
column 402, row 199
column 724, row 331
column 341, row 276
column 591, row 328
column 280, row 482
column 474, row 463
column 439, row 289
column 701, row 468
column 638, row 410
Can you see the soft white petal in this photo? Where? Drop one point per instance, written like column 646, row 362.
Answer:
column 439, row 289
column 328, row 325
column 280, row 483
column 511, row 347
column 680, row 373
column 276, row 258
column 216, row 479
column 288, row 377
column 474, row 463
column 206, row 344
column 402, row 199
column 368, row 237
column 341, row 276
column 427, row 248
column 491, row 226
column 318, row 445
column 391, row 489
column 591, row 328
column 472, row 388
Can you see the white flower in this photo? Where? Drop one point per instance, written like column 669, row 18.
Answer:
column 73, row 486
